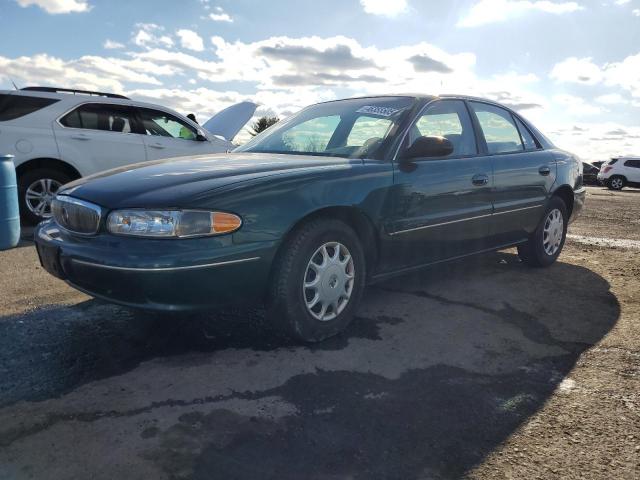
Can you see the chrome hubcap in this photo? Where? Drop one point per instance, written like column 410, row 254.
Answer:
column 553, row 230
column 39, row 195
column 328, row 281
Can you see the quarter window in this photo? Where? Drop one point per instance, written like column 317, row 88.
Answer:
column 448, row 119
column 97, row 116
column 528, row 140
column 632, row 163
column 498, row 128
column 16, row 106
column 158, row 123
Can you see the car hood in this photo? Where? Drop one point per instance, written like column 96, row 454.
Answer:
column 177, row 182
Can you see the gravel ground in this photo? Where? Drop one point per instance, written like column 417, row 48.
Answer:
column 482, row 369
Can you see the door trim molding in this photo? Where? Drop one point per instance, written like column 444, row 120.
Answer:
column 399, row 232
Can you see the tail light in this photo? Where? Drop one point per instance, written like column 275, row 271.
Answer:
column 606, row 169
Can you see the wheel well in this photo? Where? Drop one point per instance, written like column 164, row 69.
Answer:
column 356, row 219
column 566, row 194
column 47, row 163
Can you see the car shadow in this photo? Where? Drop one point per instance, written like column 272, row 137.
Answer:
column 438, row 370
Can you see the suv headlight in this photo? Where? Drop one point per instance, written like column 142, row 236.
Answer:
column 171, row 223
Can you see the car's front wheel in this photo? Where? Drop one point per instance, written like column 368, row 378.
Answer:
column 318, row 280
column 616, row 182
column 36, row 189
column 546, row 242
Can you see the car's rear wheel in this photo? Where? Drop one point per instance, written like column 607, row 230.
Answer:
column 617, row 182
column 318, row 280
column 546, row 242
column 36, row 189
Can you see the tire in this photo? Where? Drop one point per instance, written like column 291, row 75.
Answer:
column 616, row 182
column 37, row 180
column 287, row 305
column 541, row 250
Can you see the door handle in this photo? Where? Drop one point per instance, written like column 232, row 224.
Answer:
column 544, row 170
column 480, row 179
column 80, row 136
column 156, row 145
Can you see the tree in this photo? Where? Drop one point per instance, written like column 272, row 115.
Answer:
column 262, row 124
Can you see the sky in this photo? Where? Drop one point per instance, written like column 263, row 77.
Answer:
column 570, row 67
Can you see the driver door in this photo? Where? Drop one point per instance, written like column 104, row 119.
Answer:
column 442, row 206
column 168, row 136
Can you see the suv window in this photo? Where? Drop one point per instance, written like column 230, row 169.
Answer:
column 101, row 116
column 449, row 119
column 499, row 130
column 16, row 106
column 528, row 140
column 159, row 123
column 632, row 163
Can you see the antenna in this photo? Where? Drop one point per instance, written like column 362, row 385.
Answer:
column 14, row 84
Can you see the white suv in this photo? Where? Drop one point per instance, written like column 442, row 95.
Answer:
column 58, row 135
column 620, row 172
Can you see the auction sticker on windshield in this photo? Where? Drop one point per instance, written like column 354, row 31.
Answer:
column 380, row 111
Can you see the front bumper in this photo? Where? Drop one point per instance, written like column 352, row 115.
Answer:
column 579, row 196
column 172, row 275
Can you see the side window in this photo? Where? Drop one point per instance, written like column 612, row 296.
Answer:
column 367, row 129
column 16, row 106
column 528, row 140
column 98, row 116
column 632, row 163
column 499, row 130
column 156, row 122
column 448, row 119
column 311, row 136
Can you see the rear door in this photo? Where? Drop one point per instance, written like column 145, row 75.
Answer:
column 523, row 173
column 632, row 170
column 441, row 206
column 166, row 136
column 99, row 136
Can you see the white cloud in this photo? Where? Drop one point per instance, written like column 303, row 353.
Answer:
column 58, row 6
column 150, row 35
column 190, row 40
column 636, row 12
column 576, row 105
column 220, row 16
column 490, row 11
column 112, row 45
column 386, row 8
column 611, row 99
column 624, row 74
column 622, row 2
column 577, row 70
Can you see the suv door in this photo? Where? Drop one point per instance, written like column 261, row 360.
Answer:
column 99, row 136
column 168, row 136
column 441, row 206
column 523, row 173
column 632, row 170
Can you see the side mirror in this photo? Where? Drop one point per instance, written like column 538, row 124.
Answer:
column 429, row 147
column 200, row 137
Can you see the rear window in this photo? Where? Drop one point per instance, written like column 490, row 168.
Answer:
column 16, row 106
column 612, row 161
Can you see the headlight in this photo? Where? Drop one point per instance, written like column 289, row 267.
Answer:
column 171, row 223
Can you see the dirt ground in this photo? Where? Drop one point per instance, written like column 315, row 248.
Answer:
column 481, row 369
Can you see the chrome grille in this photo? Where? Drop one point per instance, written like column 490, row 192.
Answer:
column 76, row 215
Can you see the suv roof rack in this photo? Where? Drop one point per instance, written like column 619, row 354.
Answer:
column 74, row 91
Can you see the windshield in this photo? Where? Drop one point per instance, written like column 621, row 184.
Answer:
column 355, row 128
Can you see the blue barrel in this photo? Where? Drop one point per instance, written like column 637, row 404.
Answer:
column 9, row 211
